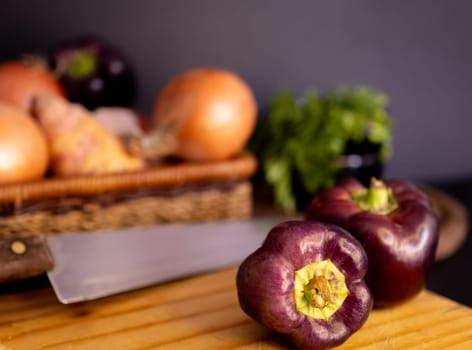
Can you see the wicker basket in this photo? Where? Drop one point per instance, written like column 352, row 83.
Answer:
column 160, row 194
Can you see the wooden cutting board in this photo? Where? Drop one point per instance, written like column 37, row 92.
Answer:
column 203, row 313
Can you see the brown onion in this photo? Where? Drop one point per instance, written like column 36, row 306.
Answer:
column 21, row 81
column 204, row 114
column 23, row 148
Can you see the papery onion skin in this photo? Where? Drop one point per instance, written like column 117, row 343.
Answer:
column 21, row 81
column 24, row 154
column 212, row 112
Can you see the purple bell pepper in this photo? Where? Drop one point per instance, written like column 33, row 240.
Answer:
column 396, row 225
column 306, row 283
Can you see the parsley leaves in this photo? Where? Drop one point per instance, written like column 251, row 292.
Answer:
column 304, row 137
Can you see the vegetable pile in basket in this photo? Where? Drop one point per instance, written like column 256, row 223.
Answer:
column 81, row 118
column 315, row 281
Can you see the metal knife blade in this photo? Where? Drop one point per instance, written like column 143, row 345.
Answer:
column 90, row 265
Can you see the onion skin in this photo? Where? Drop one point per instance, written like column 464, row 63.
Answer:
column 21, row 81
column 265, row 283
column 24, row 152
column 211, row 111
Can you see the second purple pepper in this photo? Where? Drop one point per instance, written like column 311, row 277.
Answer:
column 396, row 225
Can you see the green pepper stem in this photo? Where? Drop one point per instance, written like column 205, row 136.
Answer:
column 318, row 292
column 319, row 289
column 377, row 198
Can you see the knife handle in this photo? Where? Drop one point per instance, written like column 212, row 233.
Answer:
column 24, row 257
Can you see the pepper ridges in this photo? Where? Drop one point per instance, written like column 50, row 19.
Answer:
column 279, row 284
column 400, row 242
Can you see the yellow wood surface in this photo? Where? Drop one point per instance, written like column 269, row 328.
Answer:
column 203, row 313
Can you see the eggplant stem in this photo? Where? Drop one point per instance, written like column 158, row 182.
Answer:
column 82, row 64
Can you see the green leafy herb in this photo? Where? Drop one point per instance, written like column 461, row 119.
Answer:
column 305, row 137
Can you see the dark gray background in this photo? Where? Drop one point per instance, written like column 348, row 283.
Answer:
column 419, row 52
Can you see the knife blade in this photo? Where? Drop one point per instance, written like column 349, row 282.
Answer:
column 90, row 265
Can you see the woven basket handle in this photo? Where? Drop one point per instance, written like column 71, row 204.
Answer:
column 24, row 257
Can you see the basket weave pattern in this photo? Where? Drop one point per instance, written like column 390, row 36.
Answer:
column 178, row 193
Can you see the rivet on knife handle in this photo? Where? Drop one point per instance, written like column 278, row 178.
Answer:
column 24, row 257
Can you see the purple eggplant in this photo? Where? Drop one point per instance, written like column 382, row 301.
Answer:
column 306, row 283
column 94, row 73
column 396, row 225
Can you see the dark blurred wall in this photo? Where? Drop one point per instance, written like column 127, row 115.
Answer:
column 419, row 52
